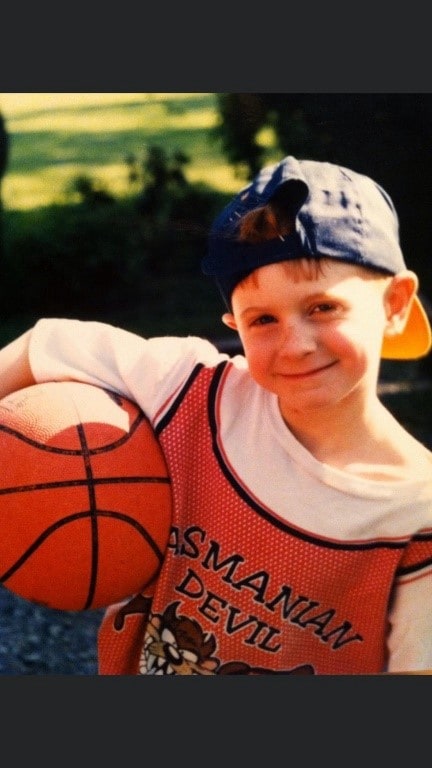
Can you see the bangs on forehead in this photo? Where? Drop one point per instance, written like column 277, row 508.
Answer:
column 297, row 269
column 304, row 269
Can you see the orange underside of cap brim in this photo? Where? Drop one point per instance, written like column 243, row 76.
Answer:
column 416, row 339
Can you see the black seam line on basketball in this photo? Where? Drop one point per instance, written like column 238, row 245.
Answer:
column 74, row 483
column 93, row 521
column 78, row 516
column 76, row 451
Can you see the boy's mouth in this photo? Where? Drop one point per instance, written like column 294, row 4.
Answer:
column 297, row 375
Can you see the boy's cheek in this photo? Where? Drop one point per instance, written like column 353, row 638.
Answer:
column 258, row 364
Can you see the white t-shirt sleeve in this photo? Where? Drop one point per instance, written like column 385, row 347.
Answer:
column 409, row 640
column 146, row 371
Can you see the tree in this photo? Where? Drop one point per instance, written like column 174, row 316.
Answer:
column 4, row 148
column 4, row 156
column 241, row 115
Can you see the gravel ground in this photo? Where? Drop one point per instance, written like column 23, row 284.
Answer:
column 42, row 641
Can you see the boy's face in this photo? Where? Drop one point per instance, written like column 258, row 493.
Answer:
column 312, row 338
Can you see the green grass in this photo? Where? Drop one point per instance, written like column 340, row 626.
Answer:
column 54, row 137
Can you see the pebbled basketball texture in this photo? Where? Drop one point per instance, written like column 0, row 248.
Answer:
column 85, row 496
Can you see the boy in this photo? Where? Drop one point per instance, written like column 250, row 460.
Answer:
column 301, row 540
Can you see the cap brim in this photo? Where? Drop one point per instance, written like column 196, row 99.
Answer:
column 416, row 339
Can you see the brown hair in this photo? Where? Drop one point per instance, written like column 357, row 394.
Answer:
column 268, row 222
column 265, row 223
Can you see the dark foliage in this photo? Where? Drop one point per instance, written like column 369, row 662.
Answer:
column 4, row 147
column 101, row 254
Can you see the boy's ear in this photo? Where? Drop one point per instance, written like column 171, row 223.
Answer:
column 228, row 319
column 398, row 299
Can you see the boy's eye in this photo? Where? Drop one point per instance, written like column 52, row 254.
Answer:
column 263, row 320
column 323, row 307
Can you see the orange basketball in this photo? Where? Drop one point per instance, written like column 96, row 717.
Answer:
column 85, row 496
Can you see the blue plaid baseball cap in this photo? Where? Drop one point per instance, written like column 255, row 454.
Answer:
column 339, row 213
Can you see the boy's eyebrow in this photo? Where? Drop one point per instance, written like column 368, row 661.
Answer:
column 267, row 306
column 251, row 310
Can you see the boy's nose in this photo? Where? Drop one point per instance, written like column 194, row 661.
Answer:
column 297, row 340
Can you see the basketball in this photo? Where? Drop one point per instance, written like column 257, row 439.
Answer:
column 85, row 496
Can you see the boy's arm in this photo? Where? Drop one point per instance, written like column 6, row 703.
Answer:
column 15, row 371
